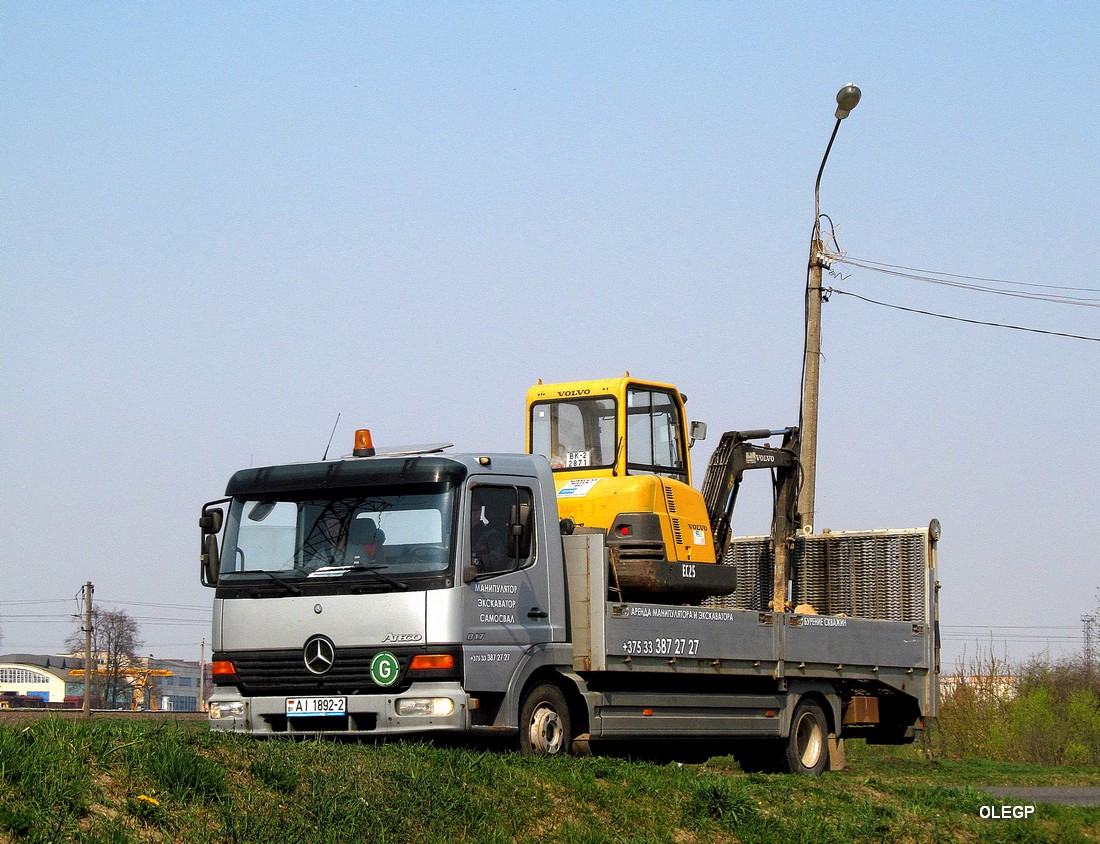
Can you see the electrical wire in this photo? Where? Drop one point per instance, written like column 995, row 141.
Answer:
column 1078, row 301
column 831, row 290
column 848, row 258
column 191, row 607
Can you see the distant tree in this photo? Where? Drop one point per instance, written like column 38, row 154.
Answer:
column 115, row 644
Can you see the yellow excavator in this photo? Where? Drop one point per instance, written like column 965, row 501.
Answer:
column 619, row 451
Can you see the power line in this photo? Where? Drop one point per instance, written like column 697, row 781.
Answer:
column 1079, row 301
column 39, row 616
column 831, row 290
column 849, row 259
column 160, row 606
column 7, row 603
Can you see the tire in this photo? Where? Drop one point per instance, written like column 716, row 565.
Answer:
column 807, row 747
column 545, row 725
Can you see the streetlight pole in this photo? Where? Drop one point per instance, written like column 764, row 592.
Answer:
column 846, row 100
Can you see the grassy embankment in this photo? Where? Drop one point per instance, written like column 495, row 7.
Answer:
column 115, row 782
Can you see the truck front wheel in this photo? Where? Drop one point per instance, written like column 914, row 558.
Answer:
column 545, row 728
column 808, row 745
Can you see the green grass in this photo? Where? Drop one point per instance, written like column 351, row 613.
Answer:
column 114, row 782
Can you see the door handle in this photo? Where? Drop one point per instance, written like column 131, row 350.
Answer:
column 537, row 613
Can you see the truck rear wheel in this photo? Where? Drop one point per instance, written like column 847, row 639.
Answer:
column 807, row 750
column 545, row 727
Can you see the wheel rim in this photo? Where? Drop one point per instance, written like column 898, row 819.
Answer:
column 546, row 730
column 809, row 740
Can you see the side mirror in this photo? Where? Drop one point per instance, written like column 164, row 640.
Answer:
column 698, row 431
column 210, row 560
column 211, row 520
column 519, row 532
column 210, row 523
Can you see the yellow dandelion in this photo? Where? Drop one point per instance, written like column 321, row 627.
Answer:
column 152, row 801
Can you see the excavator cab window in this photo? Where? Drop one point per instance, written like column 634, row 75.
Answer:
column 654, row 434
column 574, row 434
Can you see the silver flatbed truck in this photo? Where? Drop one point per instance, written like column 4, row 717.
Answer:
column 428, row 592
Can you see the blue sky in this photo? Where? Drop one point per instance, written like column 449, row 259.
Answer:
column 223, row 224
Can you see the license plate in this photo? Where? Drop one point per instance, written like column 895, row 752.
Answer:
column 314, row 706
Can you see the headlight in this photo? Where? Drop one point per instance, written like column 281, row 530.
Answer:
column 226, row 709
column 437, row 706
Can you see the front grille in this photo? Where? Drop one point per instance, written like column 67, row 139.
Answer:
column 283, row 672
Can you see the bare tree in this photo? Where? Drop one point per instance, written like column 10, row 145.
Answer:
column 115, row 644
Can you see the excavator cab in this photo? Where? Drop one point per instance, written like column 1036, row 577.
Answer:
column 619, row 451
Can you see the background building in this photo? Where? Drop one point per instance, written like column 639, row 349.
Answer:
column 46, row 678
column 41, row 677
column 179, row 692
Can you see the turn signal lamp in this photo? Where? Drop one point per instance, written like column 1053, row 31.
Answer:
column 428, row 662
column 364, row 447
column 222, row 668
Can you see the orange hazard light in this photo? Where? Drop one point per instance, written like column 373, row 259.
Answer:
column 364, row 446
column 222, row 667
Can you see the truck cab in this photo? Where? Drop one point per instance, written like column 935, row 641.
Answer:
column 405, row 593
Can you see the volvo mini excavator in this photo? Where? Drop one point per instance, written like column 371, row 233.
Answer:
column 619, row 451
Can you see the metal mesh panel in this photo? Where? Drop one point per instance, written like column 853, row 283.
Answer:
column 873, row 574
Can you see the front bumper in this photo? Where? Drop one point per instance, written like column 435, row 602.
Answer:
column 367, row 715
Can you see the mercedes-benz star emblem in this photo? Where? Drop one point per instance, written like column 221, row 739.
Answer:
column 319, row 654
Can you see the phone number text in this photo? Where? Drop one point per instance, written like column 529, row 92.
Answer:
column 661, row 647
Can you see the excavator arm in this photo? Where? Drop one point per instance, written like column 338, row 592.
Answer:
column 734, row 455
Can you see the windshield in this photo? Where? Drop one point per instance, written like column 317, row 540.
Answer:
column 387, row 536
column 581, row 433
column 574, row 434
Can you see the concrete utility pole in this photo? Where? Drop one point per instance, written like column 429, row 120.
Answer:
column 88, row 672
column 846, row 100
column 1089, row 622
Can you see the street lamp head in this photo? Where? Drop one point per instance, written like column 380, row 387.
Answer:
column 846, row 100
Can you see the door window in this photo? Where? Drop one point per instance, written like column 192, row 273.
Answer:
column 497, row 541
column 654, row 444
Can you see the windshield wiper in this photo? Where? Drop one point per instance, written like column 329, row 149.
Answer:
column 376, row 570
column 287, row 585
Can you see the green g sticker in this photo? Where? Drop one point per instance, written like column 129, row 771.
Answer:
column 384, row 669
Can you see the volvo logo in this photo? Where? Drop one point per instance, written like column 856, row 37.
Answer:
column 319, row 654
